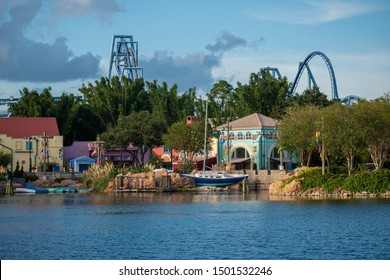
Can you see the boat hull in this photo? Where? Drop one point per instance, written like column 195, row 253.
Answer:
column 24, row 190
column 217, row 180
column 36, row 189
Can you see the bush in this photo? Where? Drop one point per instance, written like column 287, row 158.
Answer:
column 185, row 169
column 99, row 184
column 31, row 177
column 372, row 182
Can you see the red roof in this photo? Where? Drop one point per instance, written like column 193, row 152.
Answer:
column 21, row 127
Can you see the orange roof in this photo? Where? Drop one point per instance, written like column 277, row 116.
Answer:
column 20, row 127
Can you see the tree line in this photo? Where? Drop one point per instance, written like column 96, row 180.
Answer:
column 147, row 114
column 344, row 135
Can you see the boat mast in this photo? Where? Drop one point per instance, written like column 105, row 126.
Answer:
column 205, row 142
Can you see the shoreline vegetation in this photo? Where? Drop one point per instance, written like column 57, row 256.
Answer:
column 309, row 182
column 303, row 182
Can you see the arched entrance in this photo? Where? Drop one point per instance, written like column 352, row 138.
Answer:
column 240, row 157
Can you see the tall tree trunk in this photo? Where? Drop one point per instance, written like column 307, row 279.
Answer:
column 308, row 158
column 350, row 158
column 379, row 154
column 302, row 156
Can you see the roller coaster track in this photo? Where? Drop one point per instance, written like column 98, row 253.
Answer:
column 348, row 100
column 305, row 64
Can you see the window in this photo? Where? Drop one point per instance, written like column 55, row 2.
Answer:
column 28, row 145
column 248, row 135
column 18, row 145
column 240, row 136
column 231, row 136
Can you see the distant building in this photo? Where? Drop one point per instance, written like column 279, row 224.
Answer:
column 33, row 142
column 81, row 149
column 250, row 143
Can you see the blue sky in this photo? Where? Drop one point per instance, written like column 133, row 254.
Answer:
column 62, row 43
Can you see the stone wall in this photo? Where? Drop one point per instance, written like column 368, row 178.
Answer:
column 262, row 179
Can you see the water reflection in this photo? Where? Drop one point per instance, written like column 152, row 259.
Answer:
column 215, row 225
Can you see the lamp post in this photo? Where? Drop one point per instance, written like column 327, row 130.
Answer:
column 45, row 139
column 228, row 127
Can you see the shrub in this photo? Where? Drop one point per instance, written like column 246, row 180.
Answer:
column 185, row 169
column 373, row 182
column 140, row 170
column 31, row 177
column 99, row 184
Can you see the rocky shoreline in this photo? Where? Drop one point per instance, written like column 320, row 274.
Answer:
column 294, row 189
column 156, row 180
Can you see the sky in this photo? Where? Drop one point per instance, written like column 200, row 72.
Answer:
column 64, row 43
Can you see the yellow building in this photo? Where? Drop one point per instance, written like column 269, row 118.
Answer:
column 33, row 142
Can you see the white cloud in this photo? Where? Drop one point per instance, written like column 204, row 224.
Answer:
column 314, row 12
column 102, row 9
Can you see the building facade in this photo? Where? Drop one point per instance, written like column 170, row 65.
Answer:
column 251, row 143
column 33, row 142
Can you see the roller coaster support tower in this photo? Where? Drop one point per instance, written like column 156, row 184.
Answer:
column 124, row 57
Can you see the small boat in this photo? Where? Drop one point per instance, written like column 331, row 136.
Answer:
column 215, row 179
column 36, row 189
column 24, row 190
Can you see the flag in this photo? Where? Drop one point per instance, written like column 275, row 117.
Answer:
column 318, row 141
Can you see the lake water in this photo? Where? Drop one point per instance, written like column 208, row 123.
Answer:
column 192, row 226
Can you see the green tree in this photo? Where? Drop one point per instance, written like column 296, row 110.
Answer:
column 5, row 159
column 47, row 103
column 66, row 108
column 263, row 94
column 85, row 124
column 341, row 132
column 141, row 130
column 188, row 138
column 311, row 97
column 33, row 104
column 135, row 98
column 375, row 119
column 104, row 100
column 118, row 138
column 220, row 102
column 187, row 104
column 298, row 132
column 145, row 131
column 164, row 101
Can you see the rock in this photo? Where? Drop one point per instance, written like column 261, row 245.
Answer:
column 293, row 186
column 109, row 187
column 234, row 188
column 182, row 182
column 67, row 182
column 275, row 187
